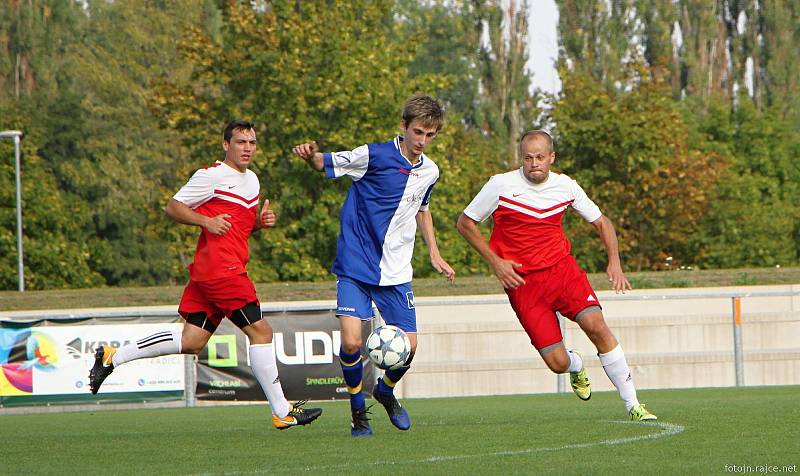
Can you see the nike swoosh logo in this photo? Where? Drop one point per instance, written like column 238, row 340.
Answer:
column 231, row 186
column 516, row 194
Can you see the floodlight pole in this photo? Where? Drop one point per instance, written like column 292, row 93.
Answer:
column 17, row 135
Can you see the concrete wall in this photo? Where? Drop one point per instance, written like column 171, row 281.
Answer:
column 468, row 348
column 473, row 345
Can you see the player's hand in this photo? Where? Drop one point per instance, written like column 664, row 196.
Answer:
column 619, row 283
column 442, row 267
column 266, row 218
column 218, row 225
column 306, row 151
column 505, row 271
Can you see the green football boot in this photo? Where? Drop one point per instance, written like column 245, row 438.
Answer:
column 580, row 383
column 640, row 413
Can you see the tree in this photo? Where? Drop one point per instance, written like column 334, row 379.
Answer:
column 753, row 217
column 508, row 108
column 35, row 81
column 342, row 88
column 631, row 152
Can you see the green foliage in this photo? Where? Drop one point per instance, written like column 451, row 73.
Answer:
column 122, row 101
column 630, row 152
column 342, row 88
column 742, row 227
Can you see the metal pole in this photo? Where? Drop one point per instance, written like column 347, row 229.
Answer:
column 737, row 341
column 16, row 135
column 20, row 266
column 561, row 379
column 190, row 379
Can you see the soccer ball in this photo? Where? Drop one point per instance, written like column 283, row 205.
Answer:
column 388, row 347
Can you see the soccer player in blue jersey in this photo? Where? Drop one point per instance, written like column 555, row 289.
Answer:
column 388, row 199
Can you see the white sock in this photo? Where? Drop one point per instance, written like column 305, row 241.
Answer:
column 262, row 361
column 575, row 362
column 160, row 343
column 620, row 374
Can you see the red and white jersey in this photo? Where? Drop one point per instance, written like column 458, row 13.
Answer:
column 528, row 217
column 212, row 191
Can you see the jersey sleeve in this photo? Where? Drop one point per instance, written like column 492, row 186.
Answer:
column 197, row 191
column 353, row 163
column 426, row 200
column 485, row 202
column 584, row 205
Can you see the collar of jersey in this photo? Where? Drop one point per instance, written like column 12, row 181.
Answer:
column 222, row 162
column 535, row 185
column 397, row 141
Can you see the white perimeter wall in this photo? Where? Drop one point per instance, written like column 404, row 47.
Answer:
column 481, row 349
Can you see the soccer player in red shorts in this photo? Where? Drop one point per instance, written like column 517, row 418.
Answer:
column 530, row 255
column 223, row 201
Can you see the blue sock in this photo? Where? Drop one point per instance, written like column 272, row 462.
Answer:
column 352, row 369
column 391, row 377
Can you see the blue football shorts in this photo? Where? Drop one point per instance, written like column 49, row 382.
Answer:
column 395, row 303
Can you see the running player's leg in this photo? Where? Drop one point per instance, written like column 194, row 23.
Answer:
column 353, row 307
column 613, row 361
column 534, row 304
column 545, row 332
column 265, row 368
column 201, row 321
column 580, row 304
column 396, row 304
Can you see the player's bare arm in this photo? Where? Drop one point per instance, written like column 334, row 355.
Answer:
column 503, row 268
column 266, row 217
column 425, row 224
column 217, row 225
column 608, row 235
column 311, row 154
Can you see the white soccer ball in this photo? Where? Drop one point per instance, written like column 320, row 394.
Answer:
column 388, row 347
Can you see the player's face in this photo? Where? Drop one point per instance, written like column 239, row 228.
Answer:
column 536, row 159
column 416, row 137
column 241, row 148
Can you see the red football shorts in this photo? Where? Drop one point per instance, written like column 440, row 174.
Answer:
column 217, row 298
column 562, row 287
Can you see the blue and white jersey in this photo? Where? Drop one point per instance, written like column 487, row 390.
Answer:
column 378, row 218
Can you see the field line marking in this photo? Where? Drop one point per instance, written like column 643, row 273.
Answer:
column 667, row 429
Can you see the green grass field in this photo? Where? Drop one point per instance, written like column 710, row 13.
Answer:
column 700, row 431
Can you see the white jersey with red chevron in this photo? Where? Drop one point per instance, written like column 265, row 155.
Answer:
column 528, row 217
column 213, row 191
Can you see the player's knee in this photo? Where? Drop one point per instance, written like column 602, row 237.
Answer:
column 599, row 333
column 558, row 367
column 556, row 357
column 351, row 345
column 259, row 333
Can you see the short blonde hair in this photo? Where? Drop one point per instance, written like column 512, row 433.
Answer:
column 425, row 109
